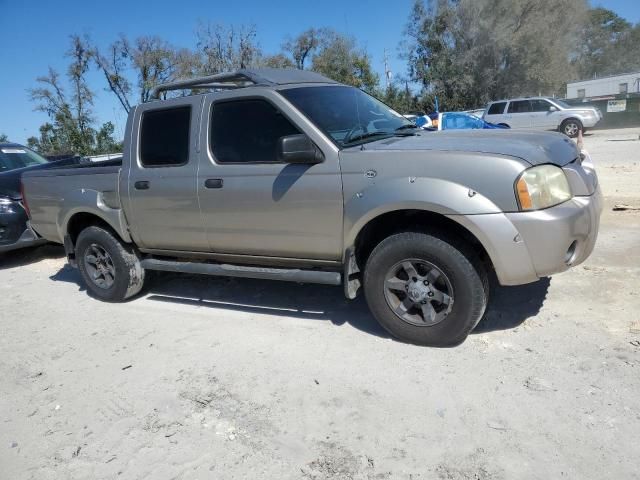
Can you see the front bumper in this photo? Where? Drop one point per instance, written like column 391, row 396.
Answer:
column 590, row 121
column 526, row 246
column 29, row 238
column 15, row 232
column 562, row 236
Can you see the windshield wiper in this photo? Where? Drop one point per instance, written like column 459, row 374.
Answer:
column 366, row 135
column 404, row 127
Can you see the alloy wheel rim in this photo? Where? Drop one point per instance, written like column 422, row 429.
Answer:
column 418, row 292
column 99, row 266
column 571, row 129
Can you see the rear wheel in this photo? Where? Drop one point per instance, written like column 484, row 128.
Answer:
column 571, row 127
column 110, row 270
column 424, row 290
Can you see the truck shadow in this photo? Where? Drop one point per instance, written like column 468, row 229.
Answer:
column 508, row 307
column 511, row 306
column 29, row 255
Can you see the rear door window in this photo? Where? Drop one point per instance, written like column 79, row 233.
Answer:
column 520, row 106
column 164, row 137
column 496, row 108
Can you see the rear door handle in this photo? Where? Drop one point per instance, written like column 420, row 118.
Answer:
column 141, row 185
column 213, row 183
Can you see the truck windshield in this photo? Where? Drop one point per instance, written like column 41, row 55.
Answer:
column 14, row 157
column 348, row 115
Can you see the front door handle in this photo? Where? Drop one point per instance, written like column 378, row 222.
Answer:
column 213, row 183
column 141, row 185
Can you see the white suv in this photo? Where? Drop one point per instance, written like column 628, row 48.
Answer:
column 542, row 113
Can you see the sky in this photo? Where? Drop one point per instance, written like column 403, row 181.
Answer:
column 34, row 34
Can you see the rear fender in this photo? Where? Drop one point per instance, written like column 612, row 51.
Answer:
column 100, row 204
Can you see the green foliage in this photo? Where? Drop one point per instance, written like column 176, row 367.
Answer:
column 470, row 51
column 70, row 130
column 276, row 61
column 3, row 138
column 608, row 45
column 402, row 100
column 464, row 52
column 334, row 55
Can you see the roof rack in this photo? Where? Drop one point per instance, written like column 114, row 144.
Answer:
column 242, row 79
column 220, row 81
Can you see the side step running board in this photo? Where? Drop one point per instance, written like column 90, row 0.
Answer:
column 225, row 270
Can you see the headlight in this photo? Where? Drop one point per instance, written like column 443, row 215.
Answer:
column 7, row 205
column 542, row 187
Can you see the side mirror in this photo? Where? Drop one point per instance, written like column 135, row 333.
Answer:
column 553, row 109
column 298, row 149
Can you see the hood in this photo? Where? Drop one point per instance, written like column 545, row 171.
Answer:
column 533, row 147
column 10, row 181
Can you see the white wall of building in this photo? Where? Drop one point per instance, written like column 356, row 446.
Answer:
column 604, row 86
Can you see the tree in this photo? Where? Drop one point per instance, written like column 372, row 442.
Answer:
column 606, row 45
column 3, row 138
column 61, row 136
column 334, row 55
column 401, row 99
column 301, row 47
column 154, row 61
column 227, row 48
column 71, row 128
column 105, row 143
column 82, row 96
column 278, row 60
column 470, row 51
column 113, row 64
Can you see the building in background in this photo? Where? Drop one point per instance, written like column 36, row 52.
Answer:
column 611, row 85
column 617, row 97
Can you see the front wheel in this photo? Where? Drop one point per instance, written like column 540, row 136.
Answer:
column 424, row 290
column 110, row 270
column 571, row 127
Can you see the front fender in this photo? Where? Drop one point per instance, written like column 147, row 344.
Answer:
column 411, row 193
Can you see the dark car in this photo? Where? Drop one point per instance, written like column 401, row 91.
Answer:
column 15, row 159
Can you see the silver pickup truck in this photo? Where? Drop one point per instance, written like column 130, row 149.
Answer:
column 288, row 175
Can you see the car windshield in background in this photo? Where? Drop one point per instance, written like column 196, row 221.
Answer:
column 12, row 158
column 348, row 115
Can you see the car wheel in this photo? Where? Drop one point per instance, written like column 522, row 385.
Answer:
column 110, row 270
column 424, row 290
column 571, row 127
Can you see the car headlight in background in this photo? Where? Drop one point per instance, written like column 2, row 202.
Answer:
column 542, row 187
column 7, row 205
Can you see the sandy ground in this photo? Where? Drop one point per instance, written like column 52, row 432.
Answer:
column 221, row 378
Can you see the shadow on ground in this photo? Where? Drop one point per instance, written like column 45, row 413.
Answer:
column 511, row 306
column 27, row 256
column 508, row 307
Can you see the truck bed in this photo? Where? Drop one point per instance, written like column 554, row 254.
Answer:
column 53, row 195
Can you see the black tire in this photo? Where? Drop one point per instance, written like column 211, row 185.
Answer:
column 465, row 274
column 128, row 274
column 570, row 127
